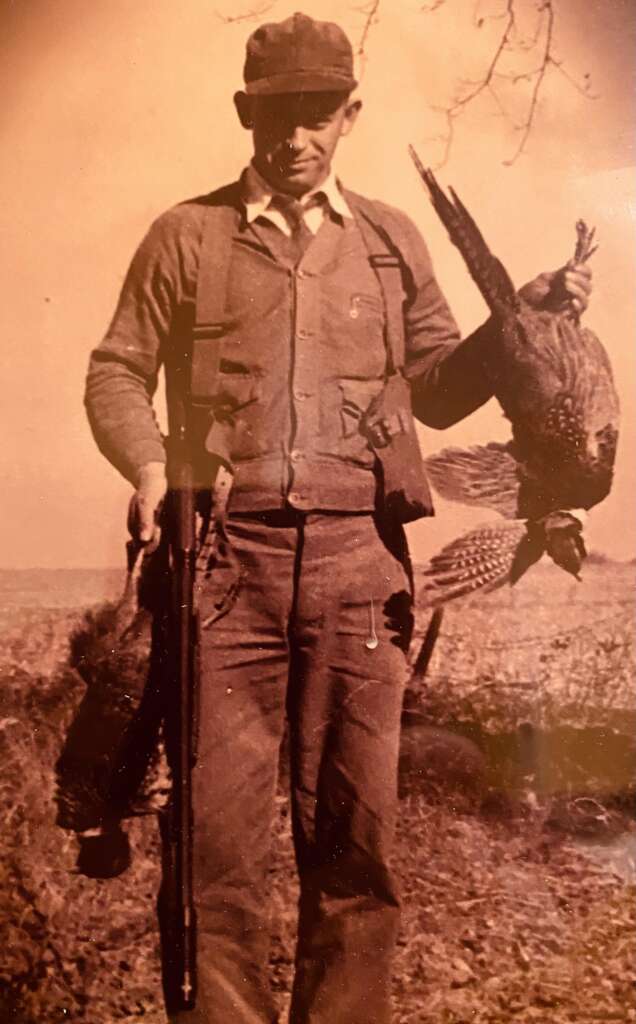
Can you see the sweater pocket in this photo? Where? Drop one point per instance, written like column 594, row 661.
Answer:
column 236, row 417
column 342, row 407
column 355, row 398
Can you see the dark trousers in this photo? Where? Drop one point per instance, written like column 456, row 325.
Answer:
column 300, row 644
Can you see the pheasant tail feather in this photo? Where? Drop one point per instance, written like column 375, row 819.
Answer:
column 481, row 560
column 487, row 272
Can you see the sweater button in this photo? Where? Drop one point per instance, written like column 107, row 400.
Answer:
column 297, row 455
column 301, row 395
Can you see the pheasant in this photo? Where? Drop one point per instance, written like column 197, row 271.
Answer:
column 554, row 382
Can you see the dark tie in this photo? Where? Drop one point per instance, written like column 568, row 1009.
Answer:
column 294, row 213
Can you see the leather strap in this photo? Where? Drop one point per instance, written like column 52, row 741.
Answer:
column 211, row 314
column 386, row 260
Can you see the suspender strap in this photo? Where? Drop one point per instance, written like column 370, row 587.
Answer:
column 214, row 266
column 388, row 422
column 211, row 316
column 387, row 263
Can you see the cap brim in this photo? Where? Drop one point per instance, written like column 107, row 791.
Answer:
column 300, row 81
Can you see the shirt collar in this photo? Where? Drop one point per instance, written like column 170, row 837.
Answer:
column 257, row 194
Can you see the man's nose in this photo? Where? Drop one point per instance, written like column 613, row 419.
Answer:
column 297, row 138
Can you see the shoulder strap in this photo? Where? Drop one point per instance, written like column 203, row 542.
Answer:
column 211, row 315
column 388, row 264
column 214, row 265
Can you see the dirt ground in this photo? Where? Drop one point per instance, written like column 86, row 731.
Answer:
column 518, row 904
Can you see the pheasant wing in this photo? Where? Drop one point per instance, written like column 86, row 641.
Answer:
column 483, row 475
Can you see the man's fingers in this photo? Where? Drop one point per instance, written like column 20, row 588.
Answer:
column 558, row 290
column 142, row 519
column 146, row 532
column 148, row 528
column 584, row 269
column 578, row 280
column 572, row 286
column 146, row 502
column 576, row 291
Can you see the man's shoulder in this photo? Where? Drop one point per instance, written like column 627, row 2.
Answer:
column 185, row 219
column 378, row 205
column 398, row 225
column 225, row 195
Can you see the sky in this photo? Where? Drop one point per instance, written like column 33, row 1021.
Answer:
column 113, row 112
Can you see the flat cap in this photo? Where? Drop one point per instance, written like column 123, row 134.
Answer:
column 298, row 55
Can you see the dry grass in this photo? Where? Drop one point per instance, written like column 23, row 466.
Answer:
column 506, row 918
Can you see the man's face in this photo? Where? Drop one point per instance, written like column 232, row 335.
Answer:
column 295, row 135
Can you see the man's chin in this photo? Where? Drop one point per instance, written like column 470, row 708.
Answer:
column 298, row 180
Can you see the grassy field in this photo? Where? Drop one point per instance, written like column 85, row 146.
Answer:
column 518, row 893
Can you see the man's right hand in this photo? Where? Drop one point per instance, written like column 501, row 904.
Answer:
column 145, row 504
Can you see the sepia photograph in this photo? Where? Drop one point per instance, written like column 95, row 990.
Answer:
column 318, row 564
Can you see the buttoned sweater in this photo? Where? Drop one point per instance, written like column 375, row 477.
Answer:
column 303, row 354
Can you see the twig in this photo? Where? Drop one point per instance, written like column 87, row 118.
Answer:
column 543, row 36
column 485, row 82
column 458, row 105
column 583, row 89
column 258, row 12
column 370, row 10
column 526, row 127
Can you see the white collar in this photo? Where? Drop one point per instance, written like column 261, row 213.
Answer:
column 258, row 193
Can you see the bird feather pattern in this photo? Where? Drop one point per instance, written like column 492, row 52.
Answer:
column 483, row 475
column 488, row 273
column 481, row 560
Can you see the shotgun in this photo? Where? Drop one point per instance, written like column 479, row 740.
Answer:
column 182, row 692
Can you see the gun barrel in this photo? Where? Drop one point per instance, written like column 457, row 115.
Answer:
column 185, row 638
column 184, row 661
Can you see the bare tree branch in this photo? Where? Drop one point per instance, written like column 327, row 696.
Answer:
column 486, row 80
column 585, row 89
column 539, row 77
column 251, row 15
column 542, row 38
column 370, row 12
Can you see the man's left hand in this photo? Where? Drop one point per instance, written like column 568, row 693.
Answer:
column 569, row 287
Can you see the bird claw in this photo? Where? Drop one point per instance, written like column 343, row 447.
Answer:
column 584, row 238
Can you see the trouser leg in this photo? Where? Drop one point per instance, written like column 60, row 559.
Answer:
column 244, row 668
column 345, row 703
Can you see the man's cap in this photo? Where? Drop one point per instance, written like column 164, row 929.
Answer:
column 298, row 55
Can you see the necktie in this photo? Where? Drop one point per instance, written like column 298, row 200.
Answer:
column 294, row 212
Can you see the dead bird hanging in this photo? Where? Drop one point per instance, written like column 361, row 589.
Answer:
column 111, row 766
column 554, row 382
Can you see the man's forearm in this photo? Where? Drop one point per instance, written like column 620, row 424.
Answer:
column 119, row 406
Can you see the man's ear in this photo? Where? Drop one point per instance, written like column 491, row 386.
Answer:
column 244, row 108
column 352, row 110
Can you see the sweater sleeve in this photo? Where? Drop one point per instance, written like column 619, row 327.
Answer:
column 448, row 376
column 123, row 369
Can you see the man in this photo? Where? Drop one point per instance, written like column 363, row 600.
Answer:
column 320, row 305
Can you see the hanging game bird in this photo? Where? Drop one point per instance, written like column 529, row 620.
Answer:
column 554, row 382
